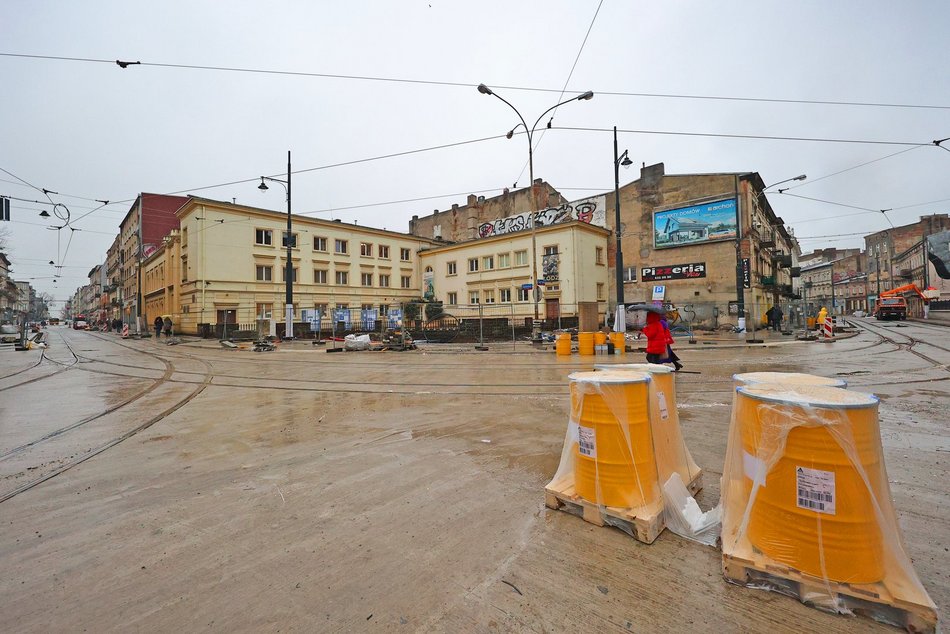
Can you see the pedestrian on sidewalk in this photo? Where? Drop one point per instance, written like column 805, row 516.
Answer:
column 168, row 326
column 777, row 315
column 656, row 338
column 159, row 324
column 670, row 355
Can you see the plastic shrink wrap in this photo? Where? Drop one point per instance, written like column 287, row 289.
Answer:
column 608, row 470
column 806, row 506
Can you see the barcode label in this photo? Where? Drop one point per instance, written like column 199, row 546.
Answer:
column 664, row 410
column 815, row 490
column 587, row 442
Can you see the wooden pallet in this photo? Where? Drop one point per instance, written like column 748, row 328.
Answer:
column 896, row 604
column 643, row 524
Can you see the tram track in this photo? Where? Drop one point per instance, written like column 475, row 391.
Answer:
column 887, row 334
column 44, row 356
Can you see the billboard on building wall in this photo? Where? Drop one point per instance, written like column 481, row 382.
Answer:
column 696, row 224
column 590, row 210
column 689, row 271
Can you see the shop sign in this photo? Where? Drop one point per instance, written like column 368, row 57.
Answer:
column 746, row 273
column 673, row 272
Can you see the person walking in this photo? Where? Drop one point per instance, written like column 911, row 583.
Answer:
column 158, row 325
column 168, row 326
column 656, row 338
column 777, row 315
column 671, row 356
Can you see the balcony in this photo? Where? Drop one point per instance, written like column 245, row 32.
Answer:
column 767, row 280
column 795, row 271
column 782, row 261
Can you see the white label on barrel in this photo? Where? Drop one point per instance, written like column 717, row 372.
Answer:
column 815, row 490
column 664, row 410
column 587, row 442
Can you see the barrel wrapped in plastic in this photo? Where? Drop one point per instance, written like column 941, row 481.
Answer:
column 608, row 450
column 806, row 506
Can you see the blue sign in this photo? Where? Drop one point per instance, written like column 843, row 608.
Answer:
column 696, row 224
column 540, row 282
column 395, row 317
column 527, row 287
column 369, row 319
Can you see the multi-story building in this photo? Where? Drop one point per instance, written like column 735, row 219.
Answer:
column 8, row 291
column 161, row 279
column 233, row 265
column 150, row 218
column 113, row 286
column 896, row 256
column 831, row 277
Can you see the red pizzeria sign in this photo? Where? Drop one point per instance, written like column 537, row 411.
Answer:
column 674, row 272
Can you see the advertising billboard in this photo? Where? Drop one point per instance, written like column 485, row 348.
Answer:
column 673, row 272
column 696, row 224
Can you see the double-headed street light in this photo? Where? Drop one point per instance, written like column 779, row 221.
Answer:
column 485, row 90
column 619, row 160
column 289, row 271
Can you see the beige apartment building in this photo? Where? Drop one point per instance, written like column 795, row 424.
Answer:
column 161, row 276
column 495, row 273
column 233, row 264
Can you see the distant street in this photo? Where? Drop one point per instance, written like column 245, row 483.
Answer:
column 148, row 487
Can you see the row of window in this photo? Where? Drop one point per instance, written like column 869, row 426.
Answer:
column 265, row 237
column 265, row 273
column 488, row 296
column 488, row 262
column 266, row 311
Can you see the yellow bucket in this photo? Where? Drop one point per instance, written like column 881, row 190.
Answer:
column 562, row 345
column 614, row 464
column 585, row 342
column 600, row 338
column 619, row 341
column 672, row 455
column 814, row 511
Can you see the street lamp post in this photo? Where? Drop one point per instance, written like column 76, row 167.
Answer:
column 485, row 90
column 624, row 160
column 289, row 271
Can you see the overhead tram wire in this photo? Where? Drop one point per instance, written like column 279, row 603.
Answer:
column 264, row 71
column 745, row 136
column 821, row 178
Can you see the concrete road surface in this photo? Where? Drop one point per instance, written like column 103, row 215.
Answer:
column 189, row 488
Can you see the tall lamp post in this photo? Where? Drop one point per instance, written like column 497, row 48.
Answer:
column 485, row 90
column 624, row 160
column 289, row 271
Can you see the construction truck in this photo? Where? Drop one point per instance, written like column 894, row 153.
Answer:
column 891, row 304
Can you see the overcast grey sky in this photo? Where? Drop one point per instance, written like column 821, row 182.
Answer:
column 95, row 131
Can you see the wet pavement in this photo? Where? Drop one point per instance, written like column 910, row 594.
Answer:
column 149, row 487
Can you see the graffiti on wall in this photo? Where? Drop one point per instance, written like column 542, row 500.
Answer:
column 589, row 210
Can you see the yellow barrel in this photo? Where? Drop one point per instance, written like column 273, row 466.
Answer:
column 619, row 341
column 810, row 323
column 789, row 379
column 562, row 345
column 600, row 338
column 614, row 463
column 585, row 342
column 672, row 455
column 815, row 509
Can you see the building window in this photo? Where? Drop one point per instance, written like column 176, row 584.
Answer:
column 293, row 240
column 366, row 249
column 384, row 251
column 599, row 255
column 521, row 258
column 630, row 274
column 453, row 299
column 368, row 307
column 384, row 280
column 550, row 249
column 504, row 260
column 319, row 276
column 283, row 277
column 264, row 237
column 265, row 311
column 600, row 293
column 342, row 278
column 489, row 296
column 473, row 265
column 265, row 273
column 319, row 243
column 523, row 294
column 366, row 279
column 450, row 268
column 339, row 246
column 405, row 254
column 406, row 281
column 383, row 310
column 473, row 297
column 488, row 262
column 505, row 295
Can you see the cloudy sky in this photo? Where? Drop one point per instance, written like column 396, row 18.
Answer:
column 357, row 82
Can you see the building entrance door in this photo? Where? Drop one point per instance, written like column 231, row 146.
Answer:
column 552, row 309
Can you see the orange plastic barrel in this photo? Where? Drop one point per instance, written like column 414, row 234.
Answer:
column 614, row 464
column 619, row 341
column 600, row 338
column 562, row 345
column 815, row 509
column 786, row 379
column 672, row 455
column 585, row 342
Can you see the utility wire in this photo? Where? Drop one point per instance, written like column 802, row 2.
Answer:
column 264, row 71
column 821, row 178
column 746, row 136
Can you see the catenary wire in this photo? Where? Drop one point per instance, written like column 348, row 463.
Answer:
column 263, row 71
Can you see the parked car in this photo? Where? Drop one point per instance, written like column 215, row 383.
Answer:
column 9, row 333
column 80, row 324
column 891, row 308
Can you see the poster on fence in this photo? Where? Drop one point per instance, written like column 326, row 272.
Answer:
column 369, row 318
column 395, row 317
column 312, row 317
column 342, row 314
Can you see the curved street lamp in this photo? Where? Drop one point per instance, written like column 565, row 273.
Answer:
column 289, row 271
column 485, row 90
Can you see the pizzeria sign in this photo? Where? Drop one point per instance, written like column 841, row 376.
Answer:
column 674, row 272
